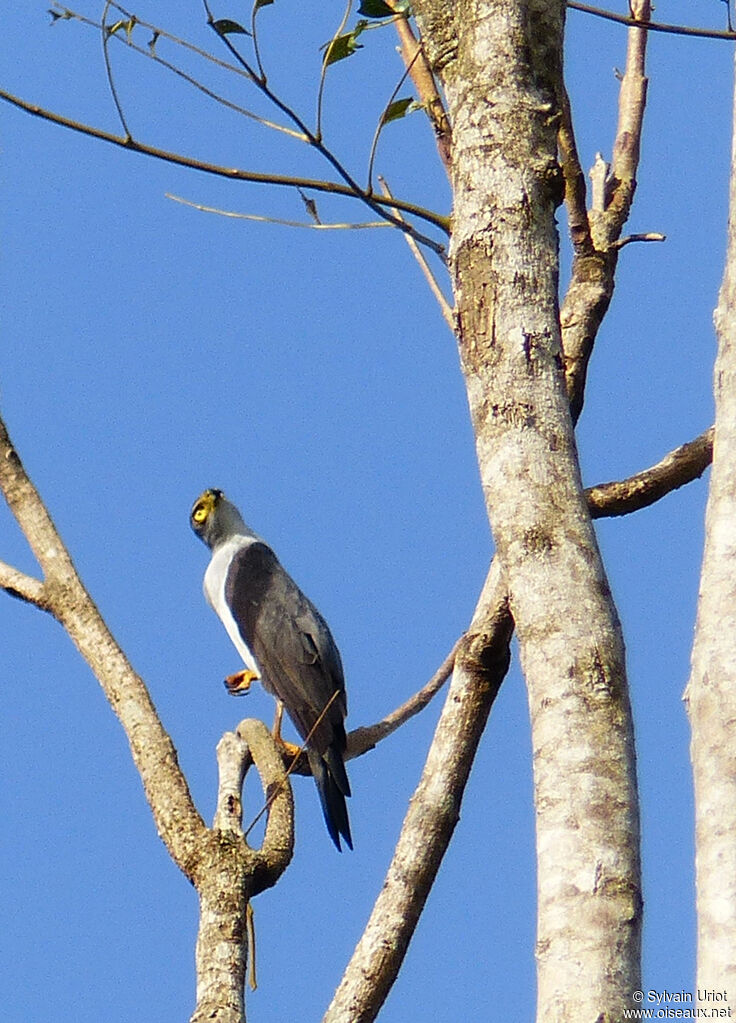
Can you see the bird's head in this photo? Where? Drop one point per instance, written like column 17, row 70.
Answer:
column 214, row 519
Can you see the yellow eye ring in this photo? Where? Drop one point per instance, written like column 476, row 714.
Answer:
column 200, row 514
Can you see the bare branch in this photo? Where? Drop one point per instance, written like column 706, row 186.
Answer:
column 178, row 823
column 593, row 277
column 237, row 174
column 649, row 236
column 681, row 466
column 433, row 812
column 445, row 307
column 233, row 758
column 632, row 101
column 278, row 842
column 360, row 740
column 24, row 587
column 651, row 26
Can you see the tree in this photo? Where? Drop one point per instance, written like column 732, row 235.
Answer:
column 547, row 578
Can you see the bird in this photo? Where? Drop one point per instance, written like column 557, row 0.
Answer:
column 284, row 641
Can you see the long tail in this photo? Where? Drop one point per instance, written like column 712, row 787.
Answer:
column 333, row 787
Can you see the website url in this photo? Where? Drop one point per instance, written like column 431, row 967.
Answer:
column 692, row 1013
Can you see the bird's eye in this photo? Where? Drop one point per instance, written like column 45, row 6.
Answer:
column 199, row 514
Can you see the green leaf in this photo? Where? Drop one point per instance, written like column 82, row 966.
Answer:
column 226, row 27
column 375, row 9
column 64, row 15
column 128, row 25
column 398, row 109
column 261, row 3
column 342, row 47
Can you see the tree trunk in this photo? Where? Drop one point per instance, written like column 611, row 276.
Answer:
column 711, row 691
column 500, row 63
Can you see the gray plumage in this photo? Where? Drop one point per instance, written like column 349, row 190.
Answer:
column 283, row 638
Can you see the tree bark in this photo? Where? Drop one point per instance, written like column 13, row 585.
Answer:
column 500, row 64
column 711, row 692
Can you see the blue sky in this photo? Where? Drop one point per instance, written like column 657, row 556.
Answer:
column 150, row 350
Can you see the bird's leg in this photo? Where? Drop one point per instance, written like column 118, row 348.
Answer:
column 239, row 683
column 277, row 721
column 290, row 748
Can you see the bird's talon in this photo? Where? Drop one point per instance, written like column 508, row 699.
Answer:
column 289, row 748
column 239, row 684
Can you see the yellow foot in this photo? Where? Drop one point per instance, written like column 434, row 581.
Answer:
column 289, row 748
column 239, row 683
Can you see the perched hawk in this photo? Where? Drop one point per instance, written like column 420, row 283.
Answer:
column 283, row 640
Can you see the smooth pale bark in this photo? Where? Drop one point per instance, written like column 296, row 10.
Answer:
column 499, row 63
column 711, row 691
column 225, row 871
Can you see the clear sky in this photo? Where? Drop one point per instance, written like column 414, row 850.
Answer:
column 150, row 350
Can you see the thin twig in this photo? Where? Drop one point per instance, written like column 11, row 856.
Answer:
column 291, row 769
column 254, row 33
column 277, row 220
column 381, row 124
column 651, row 26
column 361, row 740
column 104, row 32
column 325, row 65
column 250, row 925
column 316, row 141
column 189, row 79
column 445, row 307
column 234, row 173
column 163, row 34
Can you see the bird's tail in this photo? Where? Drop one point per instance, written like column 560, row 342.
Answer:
column 332, row 784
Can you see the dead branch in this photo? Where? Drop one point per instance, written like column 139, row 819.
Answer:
column 593, row 275
column 681, row 466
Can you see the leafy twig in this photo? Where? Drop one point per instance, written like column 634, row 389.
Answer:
column 151, row 54
column 325, row 65
column 382, row 121
column 315, row 140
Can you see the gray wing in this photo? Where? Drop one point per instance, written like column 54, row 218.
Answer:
column 300, row 665
column 291, row 642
